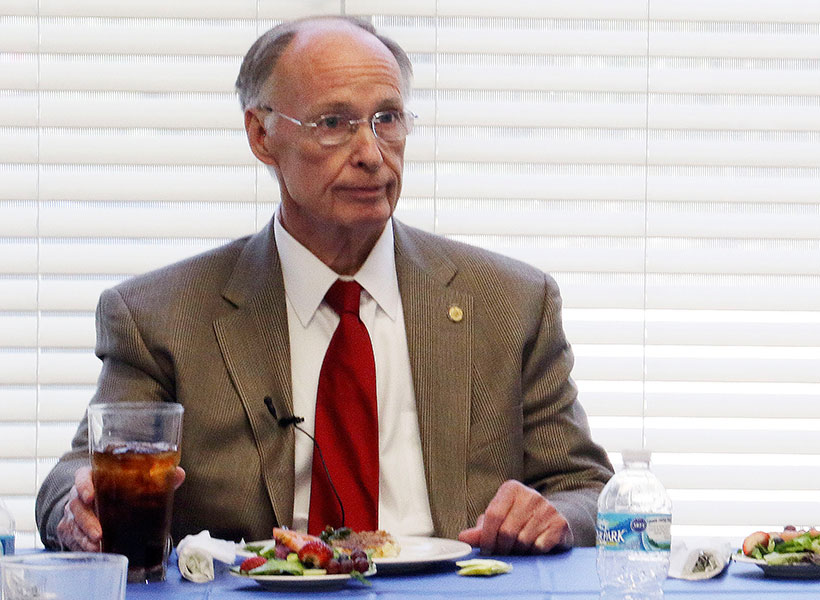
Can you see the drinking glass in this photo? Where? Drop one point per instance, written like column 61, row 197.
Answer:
column 63, row 576
column 135, row 448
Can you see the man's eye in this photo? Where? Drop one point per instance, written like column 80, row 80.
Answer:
column 387, row 117
column 330, row 122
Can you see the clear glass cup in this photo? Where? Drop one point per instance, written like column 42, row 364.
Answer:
column 63, row 576
column 135, row 449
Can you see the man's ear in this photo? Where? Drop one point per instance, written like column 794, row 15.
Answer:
column 258, row 137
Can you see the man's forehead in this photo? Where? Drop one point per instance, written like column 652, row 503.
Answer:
column 320, row 48
column 314, row 35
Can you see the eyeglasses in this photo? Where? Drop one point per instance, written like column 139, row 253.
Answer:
column 334, row 130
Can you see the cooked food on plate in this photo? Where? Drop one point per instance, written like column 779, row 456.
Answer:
column 377, row 544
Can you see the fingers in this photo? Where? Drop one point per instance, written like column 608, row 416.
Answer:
column 557, row 533
column 84, row 485
column 545, row 529
column 472, row 535
column 179, row 477
column 71, row 532
column 79, row 528
column 502, row 520
column 518, row 520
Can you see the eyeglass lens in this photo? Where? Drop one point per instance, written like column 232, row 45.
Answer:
column 391, row 126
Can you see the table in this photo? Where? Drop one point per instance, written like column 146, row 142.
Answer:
column 566, row 576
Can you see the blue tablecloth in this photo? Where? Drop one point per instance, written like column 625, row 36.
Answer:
column 567, row 576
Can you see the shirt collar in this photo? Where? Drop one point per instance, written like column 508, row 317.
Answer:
column 307, row 279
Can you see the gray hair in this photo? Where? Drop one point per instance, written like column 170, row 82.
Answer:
column 260, row 60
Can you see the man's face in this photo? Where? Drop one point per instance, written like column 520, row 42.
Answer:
column 347, row 189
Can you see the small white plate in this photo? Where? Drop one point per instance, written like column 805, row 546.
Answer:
column 421, row 552
column 300, row 582
column 796, row 571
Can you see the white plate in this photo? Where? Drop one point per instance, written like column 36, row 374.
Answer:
column 300, row 582
column 798, row 571
column 421, row 552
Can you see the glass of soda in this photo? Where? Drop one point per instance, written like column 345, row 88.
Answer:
column 135, row 449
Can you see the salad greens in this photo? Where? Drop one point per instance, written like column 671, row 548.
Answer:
column 290, row 565
column 805, row 548
column 276, row 566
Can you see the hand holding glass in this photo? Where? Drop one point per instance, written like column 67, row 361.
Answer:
column 135, row 449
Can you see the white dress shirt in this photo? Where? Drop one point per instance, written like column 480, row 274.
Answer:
column 404, row 508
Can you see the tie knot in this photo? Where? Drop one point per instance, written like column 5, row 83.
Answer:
column 343, row 297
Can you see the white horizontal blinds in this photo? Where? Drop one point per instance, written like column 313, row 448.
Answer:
column 123, row 150
column 664, row 169
column 733, row 262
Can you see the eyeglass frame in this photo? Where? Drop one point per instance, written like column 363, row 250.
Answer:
column 352, row 124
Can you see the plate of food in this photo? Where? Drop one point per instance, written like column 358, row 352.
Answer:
column 393, row 554
column 281, row 583
column 793, row 553
column 298, row 561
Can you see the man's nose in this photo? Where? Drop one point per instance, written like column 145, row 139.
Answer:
column 367, row 153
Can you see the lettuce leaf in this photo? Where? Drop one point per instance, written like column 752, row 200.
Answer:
column 275, row 566
column 786, row 558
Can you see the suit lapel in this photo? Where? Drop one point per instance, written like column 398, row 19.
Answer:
column 256, row 349
column 439, row 346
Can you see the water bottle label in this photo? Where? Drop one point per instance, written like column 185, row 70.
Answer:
column 6, row 544
column 647, row 532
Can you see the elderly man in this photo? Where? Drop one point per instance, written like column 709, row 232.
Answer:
column 456, row 415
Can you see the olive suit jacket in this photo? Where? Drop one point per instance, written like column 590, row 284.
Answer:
column 490, row 366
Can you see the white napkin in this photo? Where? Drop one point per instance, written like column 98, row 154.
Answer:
column 698, row 558
column 196, row 554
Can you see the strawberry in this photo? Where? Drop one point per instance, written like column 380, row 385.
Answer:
column 252, row 563
column 752, row 540
column 315, row 554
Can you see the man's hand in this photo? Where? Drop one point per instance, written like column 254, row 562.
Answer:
column 518, row 520
column 80, row 529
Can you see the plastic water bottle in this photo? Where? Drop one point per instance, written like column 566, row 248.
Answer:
column 633, row 532
column 6, row 530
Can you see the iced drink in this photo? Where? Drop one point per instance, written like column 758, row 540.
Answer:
column 134, row 490
column 134, row 455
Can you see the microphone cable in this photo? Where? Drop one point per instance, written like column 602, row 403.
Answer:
column 294, row 421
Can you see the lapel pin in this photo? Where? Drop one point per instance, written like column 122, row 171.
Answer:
column 455, row 313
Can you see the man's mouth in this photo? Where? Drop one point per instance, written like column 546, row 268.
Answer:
column 364, row 190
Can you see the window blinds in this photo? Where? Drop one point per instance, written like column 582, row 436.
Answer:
column 658, row 158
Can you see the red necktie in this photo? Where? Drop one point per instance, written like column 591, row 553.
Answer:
column 347, row 424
